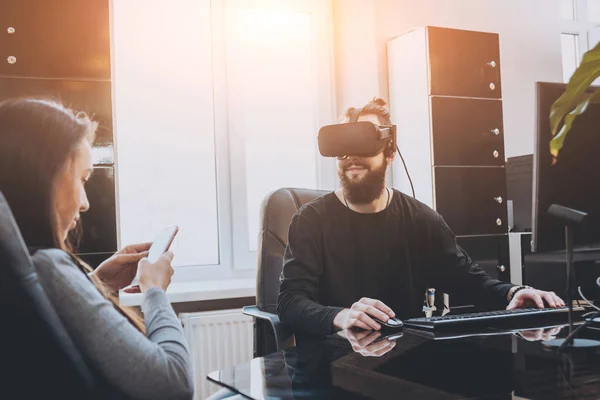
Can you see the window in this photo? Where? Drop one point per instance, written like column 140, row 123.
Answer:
column 217, row 104
column 276, row 69
column 593, row 11
column 585, row 11
column 579, row 31
column 570, row 54
column 164, row 129
column 567, row 9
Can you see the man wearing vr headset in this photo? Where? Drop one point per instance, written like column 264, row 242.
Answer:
column 368, row 251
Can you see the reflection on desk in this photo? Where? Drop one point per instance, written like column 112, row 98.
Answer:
column 499, row 366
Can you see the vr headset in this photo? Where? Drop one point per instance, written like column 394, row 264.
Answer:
column 363, row 139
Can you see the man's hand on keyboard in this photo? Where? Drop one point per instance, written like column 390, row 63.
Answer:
column 528, row 298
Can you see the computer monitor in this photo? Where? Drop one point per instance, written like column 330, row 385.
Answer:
column 572, row 180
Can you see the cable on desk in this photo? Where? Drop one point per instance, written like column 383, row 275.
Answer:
column 586, row 300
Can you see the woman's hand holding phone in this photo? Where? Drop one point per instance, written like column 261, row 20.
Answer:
column 117, row 271
column 151, row 275
column 156, row 274
column 156, row 268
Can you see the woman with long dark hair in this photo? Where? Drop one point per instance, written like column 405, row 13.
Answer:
column 45, row 160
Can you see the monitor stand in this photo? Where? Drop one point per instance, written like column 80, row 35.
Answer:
column 570, row 342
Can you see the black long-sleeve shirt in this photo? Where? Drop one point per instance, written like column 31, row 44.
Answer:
column 336, row 256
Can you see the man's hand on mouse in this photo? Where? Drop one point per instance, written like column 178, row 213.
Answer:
column 361, row 314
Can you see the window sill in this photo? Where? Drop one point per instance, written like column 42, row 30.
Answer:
column 182, row 292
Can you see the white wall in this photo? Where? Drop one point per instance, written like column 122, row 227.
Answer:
column 355, row 53
column 529, row 49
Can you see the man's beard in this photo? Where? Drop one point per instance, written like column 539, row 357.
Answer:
column 366, row 189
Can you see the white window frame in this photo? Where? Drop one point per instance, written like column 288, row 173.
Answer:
column 580, row 26
column 230, row 234
column 239, row 258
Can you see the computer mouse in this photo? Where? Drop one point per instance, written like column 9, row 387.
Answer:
column 391, row 323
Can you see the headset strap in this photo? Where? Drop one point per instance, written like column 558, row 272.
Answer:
column 355, row 114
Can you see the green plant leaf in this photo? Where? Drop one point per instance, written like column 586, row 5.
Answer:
column 584, row 76
column 557, row 142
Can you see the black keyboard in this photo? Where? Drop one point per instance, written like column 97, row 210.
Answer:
column 483, row 318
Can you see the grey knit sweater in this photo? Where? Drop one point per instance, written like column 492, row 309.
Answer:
column 155, row 366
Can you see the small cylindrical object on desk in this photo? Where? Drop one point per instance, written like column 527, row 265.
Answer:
column 430, row 297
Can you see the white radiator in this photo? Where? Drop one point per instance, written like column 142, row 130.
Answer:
column 217, row 340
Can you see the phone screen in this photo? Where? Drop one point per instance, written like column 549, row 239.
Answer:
column 162, row 243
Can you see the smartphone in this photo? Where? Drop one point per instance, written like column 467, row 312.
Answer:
column 162, row 242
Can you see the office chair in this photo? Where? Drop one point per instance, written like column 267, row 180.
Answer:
column 277, row 210
column 39, row 359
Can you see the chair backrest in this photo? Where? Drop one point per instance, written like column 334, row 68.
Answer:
column 277, row 210
column 39, row 358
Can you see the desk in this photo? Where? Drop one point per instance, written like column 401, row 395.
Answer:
column 499, row 366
